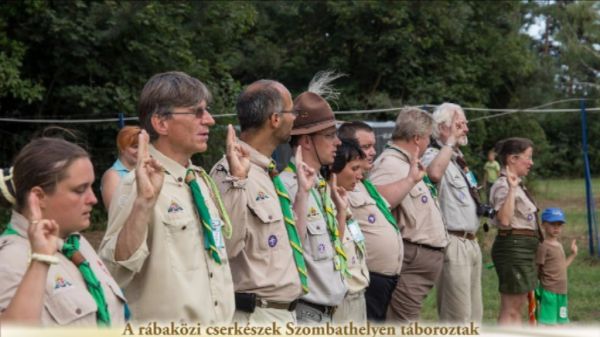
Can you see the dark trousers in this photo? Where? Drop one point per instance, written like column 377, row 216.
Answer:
column 378, row 295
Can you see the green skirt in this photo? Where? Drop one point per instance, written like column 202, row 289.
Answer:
column 514, row 259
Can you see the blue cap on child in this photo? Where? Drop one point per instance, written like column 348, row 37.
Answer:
column 553, row 214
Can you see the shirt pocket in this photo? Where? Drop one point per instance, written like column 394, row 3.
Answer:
column 525, row 212
column 417, row 204
column 319, row 241
column 459, row 189
column 183, row 242
column 70, row 305
column 271, row 229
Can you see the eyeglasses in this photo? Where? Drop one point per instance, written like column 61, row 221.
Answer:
column 197, row 112
column 293, row 112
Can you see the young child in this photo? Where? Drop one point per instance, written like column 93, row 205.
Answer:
column 551, row 293
column 491, row 170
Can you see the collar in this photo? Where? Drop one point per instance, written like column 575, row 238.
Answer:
column 399, row 152
column 455, row 150
column 256, row 157
column 172, row 167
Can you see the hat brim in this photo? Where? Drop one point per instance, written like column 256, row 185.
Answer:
column 554, row 219
column 320, row 126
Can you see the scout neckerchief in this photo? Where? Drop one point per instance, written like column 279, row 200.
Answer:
column 70, row 250
column 325, row 205
column 381, row 203
column 426, row 180
column 205, row 219
column 290, row 225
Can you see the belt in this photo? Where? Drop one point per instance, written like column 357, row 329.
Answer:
column 438, row 249
column 518, row 232
column 289, row 306
column 324, row 309
column 463, row 234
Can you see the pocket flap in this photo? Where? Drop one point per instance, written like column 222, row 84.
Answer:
column 316, row 227
column 267, row 212
column 71, row 305
column 417, row 191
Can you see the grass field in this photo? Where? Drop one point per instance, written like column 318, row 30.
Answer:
column 584, row 272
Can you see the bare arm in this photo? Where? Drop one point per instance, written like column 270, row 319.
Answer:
column 306, row 178
column 110, row 181
column 571, row 257
column 396, row 191
column 506, row 212
column 438, row 165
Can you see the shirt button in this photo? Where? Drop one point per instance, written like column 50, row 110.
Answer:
column 183, row 228
column 216, row 303
column 210, row 274
column 318, row 227
column 270, row 217
column 78, row 311
column 180, row 179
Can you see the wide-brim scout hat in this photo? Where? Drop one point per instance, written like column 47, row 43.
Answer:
column 314, row 114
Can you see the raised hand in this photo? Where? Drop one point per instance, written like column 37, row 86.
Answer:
column 417, row 171
column 338, row 193
column 513, row 179
column 237, row 156
column 149, row 173
column 574, row 247
column 306, row 174
column 42, row 233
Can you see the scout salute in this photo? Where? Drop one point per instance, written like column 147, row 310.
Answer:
column 164, row 242
column 265, row 250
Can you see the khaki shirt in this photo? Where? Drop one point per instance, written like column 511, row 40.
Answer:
column 524, row 216
column 418, row 215
column 552, row 266
column 326, row 285
column 170, row 276
column 357, row 262
column 385, row 249
column 259, row 249
column 456, row 203
column 67, row 300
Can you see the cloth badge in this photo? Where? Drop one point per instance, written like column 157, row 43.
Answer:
column 272, row 241
column 529, row 217
column 174, row 208
column 60, row 282
column 424, row 199
column 261, row 196
column 312, row 212
column 371, row 218
column 461, row 195
column 321, row 248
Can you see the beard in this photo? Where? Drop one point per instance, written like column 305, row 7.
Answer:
column 464, row 140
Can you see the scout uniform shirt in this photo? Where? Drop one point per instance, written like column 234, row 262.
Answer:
column 552, row 266
column 259, row 250
column 418, row 214
column 385, row 249
column 171, row 276
column 326, row 285
column 524, row 216
column 456, row 203
column 354, row 247
column 67, row 300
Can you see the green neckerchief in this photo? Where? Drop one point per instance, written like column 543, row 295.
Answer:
column 209, row 239
column 326, row 207
column 9, row 230
column 70, row 249
column 426, row 180
column 290, row 225
column 381, row 203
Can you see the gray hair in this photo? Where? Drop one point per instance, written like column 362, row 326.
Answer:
column 443, row 115
column 257, row 103
column 411, row 122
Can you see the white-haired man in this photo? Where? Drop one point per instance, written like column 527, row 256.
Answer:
column 459, row 286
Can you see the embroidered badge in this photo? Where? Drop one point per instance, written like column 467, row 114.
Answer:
column 371, row 218
column 60, row 282
column 174, row 208
column 272, row 241
column 529, row 217
column 261, row 196
column 424, row 199
column 321, row 248
column 312, row 212
column 461, row 195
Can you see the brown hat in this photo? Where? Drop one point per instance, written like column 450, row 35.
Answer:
column 314, row 114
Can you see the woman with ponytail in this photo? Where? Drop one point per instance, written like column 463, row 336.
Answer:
column 49, row 273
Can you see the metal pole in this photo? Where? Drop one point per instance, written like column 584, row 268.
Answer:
column 121, row 120
column 588, row 185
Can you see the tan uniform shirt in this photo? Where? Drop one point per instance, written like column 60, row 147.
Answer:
column 67, row 300
column 259, row 249
column 385, row 249
column 326, row 285
column 524, row 216
column 552, row 264
column 170, row 276
column 418, row 215
column 357, row 261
